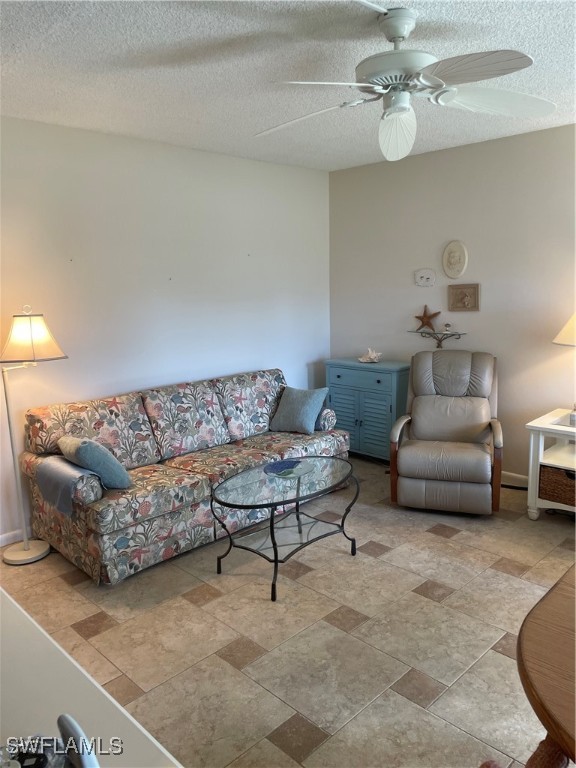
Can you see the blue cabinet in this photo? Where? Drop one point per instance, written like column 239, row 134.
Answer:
column 367, row 399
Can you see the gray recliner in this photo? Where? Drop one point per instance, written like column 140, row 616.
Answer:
column 446, row 453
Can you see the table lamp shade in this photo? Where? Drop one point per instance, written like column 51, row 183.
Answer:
column 567, row 336
column 30, row 341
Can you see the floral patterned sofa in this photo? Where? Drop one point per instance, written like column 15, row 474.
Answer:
column 176, row 442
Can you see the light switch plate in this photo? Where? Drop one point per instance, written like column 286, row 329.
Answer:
column 425, row 278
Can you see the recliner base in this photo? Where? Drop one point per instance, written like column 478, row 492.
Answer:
column 443, row 496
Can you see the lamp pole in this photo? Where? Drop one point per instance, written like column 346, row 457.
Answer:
column 26, row 551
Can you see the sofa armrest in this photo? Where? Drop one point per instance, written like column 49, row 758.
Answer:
column 81, row 485
column 398, row 428
column 326, row 420
column 497, row 435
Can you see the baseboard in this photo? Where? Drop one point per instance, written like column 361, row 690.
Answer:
column 10, row 538
column 518, row 481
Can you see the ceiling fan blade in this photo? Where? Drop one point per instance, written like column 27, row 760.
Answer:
column 497, row 102
column 354, row 103
column 373, row 6
column 374, row 88
column 472, row 67
column 397, row 134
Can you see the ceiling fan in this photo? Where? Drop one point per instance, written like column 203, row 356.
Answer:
column 395, row 77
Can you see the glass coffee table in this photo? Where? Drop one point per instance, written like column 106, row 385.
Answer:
column 278, row 484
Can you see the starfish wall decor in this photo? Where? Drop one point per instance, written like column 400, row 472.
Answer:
column 426, row 319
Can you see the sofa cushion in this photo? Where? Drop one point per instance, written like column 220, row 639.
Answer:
column 185, row 417
column 289, row 445
column 95, row 457
column 220, row 462
column 298, row 410
column 249, row 400
column 156, row 490
column 120, row 423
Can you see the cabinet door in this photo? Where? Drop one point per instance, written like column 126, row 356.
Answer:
column 345, row 404
column 375, row 425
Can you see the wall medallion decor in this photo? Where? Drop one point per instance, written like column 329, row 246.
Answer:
column 455, row 259
column 464, row 298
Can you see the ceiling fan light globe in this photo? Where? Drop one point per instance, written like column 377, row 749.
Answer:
column 396, row 134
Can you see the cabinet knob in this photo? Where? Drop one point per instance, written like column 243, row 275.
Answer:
column 378, row 381
column 338, row 376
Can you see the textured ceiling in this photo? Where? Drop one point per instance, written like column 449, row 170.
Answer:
column 209, row 75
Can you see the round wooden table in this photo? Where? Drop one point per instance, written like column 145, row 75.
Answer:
column 546, row 664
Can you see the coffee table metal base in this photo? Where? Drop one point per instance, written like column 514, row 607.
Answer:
column 284, row 535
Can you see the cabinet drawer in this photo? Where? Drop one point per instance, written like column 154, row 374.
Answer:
column 557, row 485
column 348, row 377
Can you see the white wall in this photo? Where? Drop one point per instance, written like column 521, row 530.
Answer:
column 512, row 203
column 154, row 264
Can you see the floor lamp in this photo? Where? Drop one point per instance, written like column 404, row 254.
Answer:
column 29, row 342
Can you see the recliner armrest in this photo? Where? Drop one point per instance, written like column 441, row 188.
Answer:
column 397, row 428
column 497, row 435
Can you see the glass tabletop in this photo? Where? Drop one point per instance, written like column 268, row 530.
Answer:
column 283, row 482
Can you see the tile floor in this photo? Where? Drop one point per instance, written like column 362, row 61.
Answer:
column 402, row 657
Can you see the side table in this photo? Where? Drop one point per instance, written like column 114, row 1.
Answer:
column 552, row 465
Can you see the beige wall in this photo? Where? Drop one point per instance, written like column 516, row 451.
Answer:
column 512, row 203
column 154, row 264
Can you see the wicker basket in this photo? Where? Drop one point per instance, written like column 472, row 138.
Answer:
column 557, row 485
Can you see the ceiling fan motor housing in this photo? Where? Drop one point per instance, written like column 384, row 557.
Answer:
column 392, row 67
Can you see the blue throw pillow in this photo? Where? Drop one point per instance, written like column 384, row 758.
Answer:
column 97, row 458
column 298, row 410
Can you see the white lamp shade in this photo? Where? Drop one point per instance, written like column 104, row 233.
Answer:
column 30, row 341
column 567, row 335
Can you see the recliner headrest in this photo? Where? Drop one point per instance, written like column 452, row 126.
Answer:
column 453, row 373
